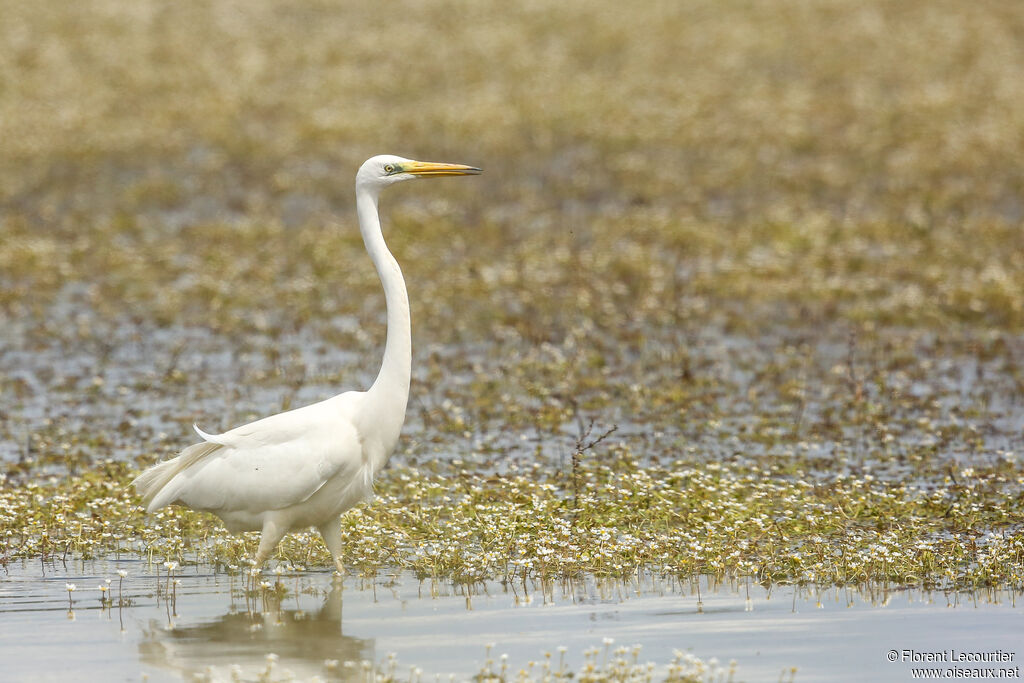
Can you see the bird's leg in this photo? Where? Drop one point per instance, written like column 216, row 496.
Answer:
column 269, row 538
column 331, row 531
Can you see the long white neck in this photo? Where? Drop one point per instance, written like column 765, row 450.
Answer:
column 384, row 410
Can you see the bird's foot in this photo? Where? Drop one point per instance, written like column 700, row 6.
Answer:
column 339, row 568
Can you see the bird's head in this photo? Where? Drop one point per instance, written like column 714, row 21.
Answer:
column 386, row 169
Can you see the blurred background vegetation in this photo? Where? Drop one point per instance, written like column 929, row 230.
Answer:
column 646, row 164
column 693, row 215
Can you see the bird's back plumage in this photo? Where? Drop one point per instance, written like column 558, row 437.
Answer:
column 267, row 465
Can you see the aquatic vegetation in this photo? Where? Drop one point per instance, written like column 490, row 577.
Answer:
column 764, row 518
column 777, row 245
column 623, row 667
column 786, row 267
column 601, row 665
column 672, row 163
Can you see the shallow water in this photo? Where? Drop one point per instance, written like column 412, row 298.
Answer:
column 136, row 389
column 133, row 389
column 207, row 624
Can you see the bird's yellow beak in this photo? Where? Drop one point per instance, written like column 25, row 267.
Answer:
column 430, row 168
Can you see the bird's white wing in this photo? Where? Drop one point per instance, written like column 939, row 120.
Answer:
column 271, row 463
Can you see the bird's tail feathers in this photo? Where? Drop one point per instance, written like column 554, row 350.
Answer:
column 151, row 482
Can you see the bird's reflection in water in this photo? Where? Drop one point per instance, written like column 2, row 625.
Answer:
column 237, row 644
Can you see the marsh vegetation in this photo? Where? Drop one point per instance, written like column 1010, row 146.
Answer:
column 777, row 246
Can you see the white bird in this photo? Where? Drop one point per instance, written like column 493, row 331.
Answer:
column 305, row 467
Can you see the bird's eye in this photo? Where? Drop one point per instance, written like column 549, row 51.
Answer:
column 389, row 169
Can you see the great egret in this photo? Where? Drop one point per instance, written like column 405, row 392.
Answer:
column 305, row 467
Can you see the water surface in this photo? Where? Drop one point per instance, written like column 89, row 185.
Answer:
column 208, row 625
